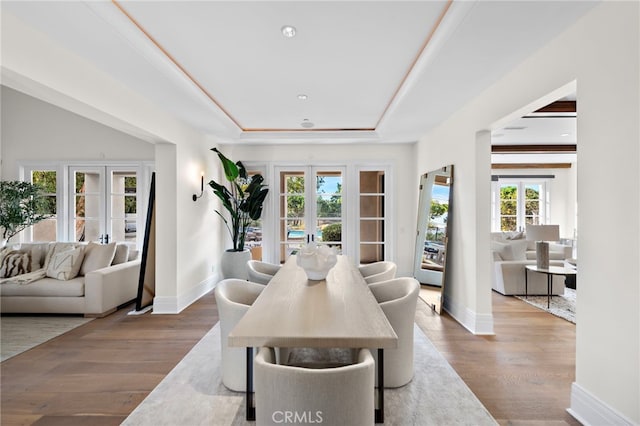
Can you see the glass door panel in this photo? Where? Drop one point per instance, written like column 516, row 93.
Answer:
column 372, row 216
column 302, row 221
column 123, row 205
column 87, row 203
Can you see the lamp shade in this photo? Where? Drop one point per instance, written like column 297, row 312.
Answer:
column 543, row 232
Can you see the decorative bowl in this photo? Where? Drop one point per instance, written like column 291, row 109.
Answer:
column 316, row 260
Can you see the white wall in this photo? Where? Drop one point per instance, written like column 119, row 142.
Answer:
column 38, row 131
column 404, row 190
column 601, row 54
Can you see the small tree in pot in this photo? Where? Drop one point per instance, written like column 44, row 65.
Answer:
column 19, row 207
column 243, row 200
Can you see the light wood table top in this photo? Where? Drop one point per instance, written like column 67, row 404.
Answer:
column 293, row 311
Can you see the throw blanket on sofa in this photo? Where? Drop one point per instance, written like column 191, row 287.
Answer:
column 27, row 278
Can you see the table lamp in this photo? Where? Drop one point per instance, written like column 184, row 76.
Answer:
column 541, row 234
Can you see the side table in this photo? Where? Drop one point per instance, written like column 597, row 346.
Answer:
column 550, row 272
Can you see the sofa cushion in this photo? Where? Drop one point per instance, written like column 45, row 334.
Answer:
column 38, row 253
column 65, row 265
column 15, row 262
column 97, row 256
column 511, row 250
column 57, row 248
column 45, row 287
column 121, row 255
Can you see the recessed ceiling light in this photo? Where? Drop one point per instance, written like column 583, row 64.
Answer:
column 565, row 134
column 303, row 97
column 288, row 31
column 306, row 123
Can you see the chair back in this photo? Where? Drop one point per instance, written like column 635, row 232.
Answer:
column 261, row 272
column 332, row 396
column 234, row 297
column 378, row 271
column 398, row 298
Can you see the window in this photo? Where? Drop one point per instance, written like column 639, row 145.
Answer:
column 90, row 202
column 518, row 203
column 372, row 216
column 46, row 230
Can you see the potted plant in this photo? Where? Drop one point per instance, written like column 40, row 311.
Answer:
column 243, row 201
column 19, row 206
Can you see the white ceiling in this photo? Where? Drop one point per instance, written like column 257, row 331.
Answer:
column 374, row 71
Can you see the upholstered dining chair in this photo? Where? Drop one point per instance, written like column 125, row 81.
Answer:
column 398, row 298
column 261, row 272
column 378, row 271
column 234, row 297
column 333, row 396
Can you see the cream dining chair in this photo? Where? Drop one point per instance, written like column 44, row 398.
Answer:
column 398, row 298
column 234, row 297
column 331, row 396
column 378, row 271
column 261, row 272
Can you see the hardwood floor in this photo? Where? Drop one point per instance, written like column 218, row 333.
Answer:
column 98, row 373
column 523, row 373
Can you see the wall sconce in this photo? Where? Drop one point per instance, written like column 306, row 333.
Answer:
column 195, row 197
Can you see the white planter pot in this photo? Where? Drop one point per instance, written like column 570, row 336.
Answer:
column 234, row 264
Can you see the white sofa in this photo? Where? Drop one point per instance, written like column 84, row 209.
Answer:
column 97, row 293
column 510, row 257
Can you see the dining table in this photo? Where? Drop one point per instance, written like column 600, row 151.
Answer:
column 295, row 312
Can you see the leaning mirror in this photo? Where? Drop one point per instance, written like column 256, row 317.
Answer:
column 433, row 234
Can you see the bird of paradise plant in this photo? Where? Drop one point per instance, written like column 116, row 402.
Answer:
column 243, row 200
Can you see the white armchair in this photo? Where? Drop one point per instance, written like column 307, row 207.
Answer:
column 234, row 297
column 398, row 298
column 332, row 396
column 378, row 271
column 261, row 272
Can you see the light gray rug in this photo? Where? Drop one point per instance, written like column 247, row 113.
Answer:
column 21, row 333
column 192, row 393
column 563, row 306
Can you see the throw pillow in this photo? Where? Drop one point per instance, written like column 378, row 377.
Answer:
column 122, row 254
column 97, row 256
column 56, row 248
column 14, row 263
column 514, row 235
column 512, row 250
column 65, row 265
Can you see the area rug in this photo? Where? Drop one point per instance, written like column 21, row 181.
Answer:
column 563, row 306
column 193, row 394
column 21, row 333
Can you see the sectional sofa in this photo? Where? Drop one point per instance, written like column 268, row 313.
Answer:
column 106, row 277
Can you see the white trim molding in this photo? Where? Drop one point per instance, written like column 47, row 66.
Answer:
column 176, row 304
column 589, row 410
column 478, row 324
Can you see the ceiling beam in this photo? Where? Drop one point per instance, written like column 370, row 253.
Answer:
column 533, row 148
column 559, row 106
column 531, row 166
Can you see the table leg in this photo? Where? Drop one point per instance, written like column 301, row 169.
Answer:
column 379, row 412
column 526, row 282
column 549, row 282
column 251, row 409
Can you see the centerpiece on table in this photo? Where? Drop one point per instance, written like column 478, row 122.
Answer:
column 316, row 260
column 243, row 201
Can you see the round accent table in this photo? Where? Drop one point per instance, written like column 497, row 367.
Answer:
column 550, row 272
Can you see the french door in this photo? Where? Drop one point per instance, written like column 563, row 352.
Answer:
column 103, row 203
column 310, row 208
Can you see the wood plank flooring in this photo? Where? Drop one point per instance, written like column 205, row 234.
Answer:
column 98, row 373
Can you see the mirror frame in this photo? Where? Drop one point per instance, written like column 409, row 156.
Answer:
column 432, row 281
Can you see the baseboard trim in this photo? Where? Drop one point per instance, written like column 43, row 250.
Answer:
column 479, row 324
column 176, row 304
column 590, row 410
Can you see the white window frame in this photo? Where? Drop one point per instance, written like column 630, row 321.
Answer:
column 62, row 168
column 521, row 183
